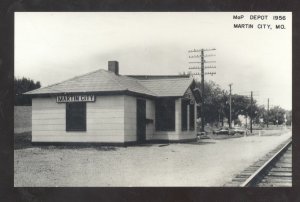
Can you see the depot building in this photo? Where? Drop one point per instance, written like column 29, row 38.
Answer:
column 105, row 107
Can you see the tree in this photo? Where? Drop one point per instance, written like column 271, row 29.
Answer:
column 277, row 115
column 213, row 101
column 21, row 86
column 261, row 114
column 216, row 107
column 288, row 117
column 240, row 106
column 216, row 104
column 223, row 105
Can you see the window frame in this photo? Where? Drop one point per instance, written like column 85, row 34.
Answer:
column 69, row 125
column 184, row 114
column 192, row 117
column 165, row 122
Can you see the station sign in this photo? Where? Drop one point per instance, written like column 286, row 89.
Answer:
column 75, row 98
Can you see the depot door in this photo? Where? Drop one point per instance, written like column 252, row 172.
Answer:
column 141, row 120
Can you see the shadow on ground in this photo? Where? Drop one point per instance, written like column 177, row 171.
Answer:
column 223, row 137
column 199, row 143
column 23, row 141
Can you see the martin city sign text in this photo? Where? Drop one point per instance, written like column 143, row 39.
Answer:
column 75, row 98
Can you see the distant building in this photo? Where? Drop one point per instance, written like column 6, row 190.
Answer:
column 105, row 107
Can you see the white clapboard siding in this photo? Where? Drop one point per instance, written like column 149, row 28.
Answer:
column 130, row 138
column 178, row 115
column 52, row 118
column 49, row 111
column 107, row 102
column 106, row 126
column 131, row 119
column 117, row 106
column 78, row 138
column 52, row 127
column 104, row 121
column 60, row 115
column 43, row 107
column 108, row 120
column 87, row 133
column 105, row 113
column 47, row 121
column 130, row 127
column 130, row 115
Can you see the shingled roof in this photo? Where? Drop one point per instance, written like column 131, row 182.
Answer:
column 167, row 87
column 107, row 81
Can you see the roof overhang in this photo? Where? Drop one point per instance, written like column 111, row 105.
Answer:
column 99, row 93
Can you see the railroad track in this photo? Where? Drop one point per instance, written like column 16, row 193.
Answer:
column 273, row 170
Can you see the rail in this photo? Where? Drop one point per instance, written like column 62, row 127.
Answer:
column 254, row 177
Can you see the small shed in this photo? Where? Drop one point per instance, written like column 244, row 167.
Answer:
column 105, row 107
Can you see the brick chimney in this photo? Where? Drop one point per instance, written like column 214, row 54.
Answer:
column 113, row 66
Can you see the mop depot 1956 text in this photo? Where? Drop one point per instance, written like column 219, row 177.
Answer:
column 264, row 21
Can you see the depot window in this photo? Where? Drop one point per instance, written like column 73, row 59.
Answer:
column 184, row 121
column 192, row 117
column 76, row 116
column 165, row 114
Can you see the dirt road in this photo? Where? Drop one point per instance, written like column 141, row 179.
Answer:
column 206, row 163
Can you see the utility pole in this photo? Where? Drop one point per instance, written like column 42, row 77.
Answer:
column 277, row 117
column 268, row 115
column 230, row 105
column 251, row 111
column 202, row 73
column 202, row 90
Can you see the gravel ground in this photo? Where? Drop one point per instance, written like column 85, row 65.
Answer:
column 210, row 162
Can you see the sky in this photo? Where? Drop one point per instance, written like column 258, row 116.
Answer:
column 51, row 47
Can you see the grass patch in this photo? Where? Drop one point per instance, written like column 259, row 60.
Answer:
column 22, row 140
column 81, row 146
column 22, row 119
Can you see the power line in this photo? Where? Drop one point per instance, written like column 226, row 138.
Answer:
column 200, row 50
column 210, row 73
column 251, row 112
column 268, row 115
column 208, row 67
column 199, row 56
